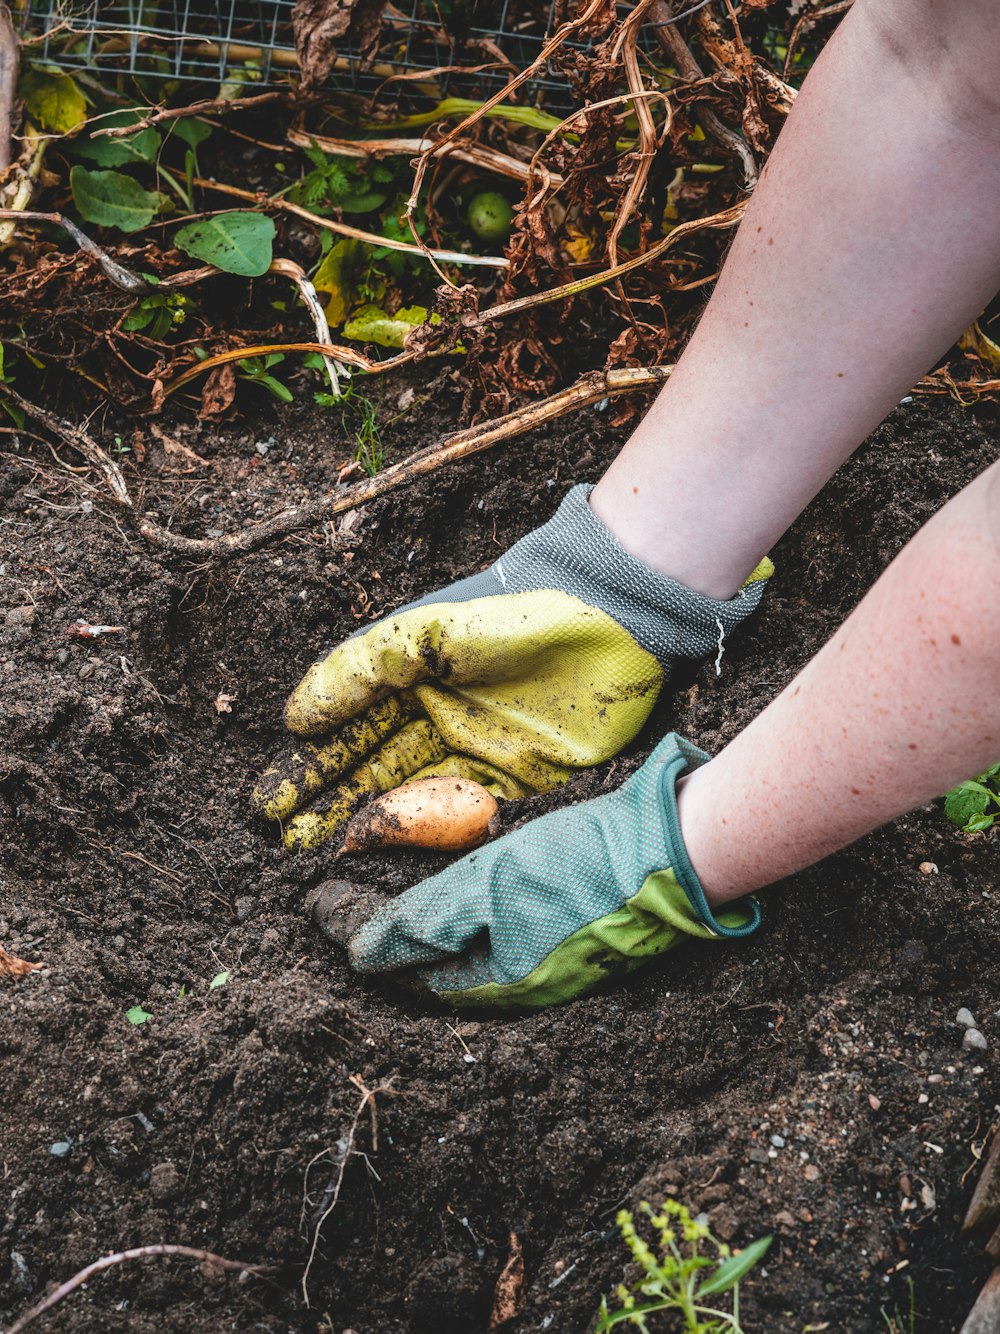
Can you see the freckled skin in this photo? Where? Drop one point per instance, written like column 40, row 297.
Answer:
column 853, row 283
column 836, row 745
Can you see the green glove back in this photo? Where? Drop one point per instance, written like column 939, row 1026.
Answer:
column 552, row 909
column 547, row 662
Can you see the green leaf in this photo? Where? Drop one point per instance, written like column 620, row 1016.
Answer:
column 732, row 1270
column 191, row 131
column 966, row 802
column 239, row 242
column 53, row 100
column 112, row 199
column 367, row 201
column 337, row 276
column 137, row 1015
column 220, row 979
column 371, row 324
column 143, row 146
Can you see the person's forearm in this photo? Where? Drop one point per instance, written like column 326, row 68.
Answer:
column 898, row 707
column 869, row 244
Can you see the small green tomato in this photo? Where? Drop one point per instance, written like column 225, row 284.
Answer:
column 490, row 216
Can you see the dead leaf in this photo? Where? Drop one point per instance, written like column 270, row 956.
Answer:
column 224, row 703
column 172, row 446
column 218, row 391
column 509, row 1296
column 12, row 966
column 319, row 25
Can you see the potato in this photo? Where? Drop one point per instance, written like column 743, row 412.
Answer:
column 442, row 814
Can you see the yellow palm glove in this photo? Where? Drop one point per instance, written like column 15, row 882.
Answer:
column 547, row 662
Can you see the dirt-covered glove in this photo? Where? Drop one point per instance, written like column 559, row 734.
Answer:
column 547, row 662
column 549, row 911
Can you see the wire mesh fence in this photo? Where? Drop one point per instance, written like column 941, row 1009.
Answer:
column 471, row 53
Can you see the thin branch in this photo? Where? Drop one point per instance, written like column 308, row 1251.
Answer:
column 590, row 388
column 208, row 106
column 346, row 354
column 728, row 217
column 477, row 155
column 119, row 1257
column 806, row 20
column 262, row 200
column 675, row 46
column 334, row 368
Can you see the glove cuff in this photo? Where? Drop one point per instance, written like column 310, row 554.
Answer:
column 680, row 862
column 575, row 553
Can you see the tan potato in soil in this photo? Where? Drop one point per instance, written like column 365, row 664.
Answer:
column 441, row 814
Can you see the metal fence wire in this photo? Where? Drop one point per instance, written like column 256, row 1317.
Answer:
column 251, row 41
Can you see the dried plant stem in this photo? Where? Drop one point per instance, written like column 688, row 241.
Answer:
column 625, row 51
column 261, row 200
column 729, row 217
column 119, row 1257
column 565, row 31
column 477, row 155
column 348, row 355
column 206, row 107
column 334, row 368
column 675, row 46
column 806, row 20
column 590, row 388
column 732, row 55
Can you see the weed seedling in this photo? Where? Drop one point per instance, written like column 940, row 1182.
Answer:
column 677, row 1276
column 975, row 804
column 258, row 371
column 898, row 1323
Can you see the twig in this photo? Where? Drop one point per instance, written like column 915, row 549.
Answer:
column 212, row 104
column 81, row 442
column 262, row 200
column 477, row 155
column 625, row 50
column 10, row 64
column 367, row 1100
column 733, row 56
column 563, row 32
column 137, row 1253
column 117, row 273
column 590, row 388
column 728, row 217
column 334, row 368
column 345, row 354
column 675, row 46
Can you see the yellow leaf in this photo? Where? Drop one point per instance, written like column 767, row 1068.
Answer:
column 336, row 276
column 53, row 100
column 985, row 348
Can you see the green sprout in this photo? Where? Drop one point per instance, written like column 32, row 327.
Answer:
column 975, row 804
column 258, row 371
column 676, row 1276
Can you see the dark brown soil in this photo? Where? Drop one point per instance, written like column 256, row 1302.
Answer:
column 810, row 1083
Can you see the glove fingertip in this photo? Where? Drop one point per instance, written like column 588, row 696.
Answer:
column 340, row 907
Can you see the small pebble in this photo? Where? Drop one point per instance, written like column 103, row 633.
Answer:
column 86, row 671
column 61, row 1149
column 62, row 657
column 778, row 1141
column 244, row 907
column 757, row 1156
column 935, row 1079
column 974, row 1040
column 928, row 868
column 964, row 1018
column 20, row 615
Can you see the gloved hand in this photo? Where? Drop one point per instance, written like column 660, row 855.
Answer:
column 549, row 911
column 547, row 662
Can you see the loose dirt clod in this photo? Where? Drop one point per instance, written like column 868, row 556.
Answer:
column 338, row 907
column 442, row 814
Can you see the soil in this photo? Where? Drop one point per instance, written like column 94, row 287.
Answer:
column 810, row 1083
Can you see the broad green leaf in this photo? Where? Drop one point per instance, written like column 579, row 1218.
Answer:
column 53, row 100
column 732, row 1270
column 220, row 979
column 112, row 199
column 237, row 242
column 142, row 146
column 966, row 802
column 364, row 202
column 190, row 131
column 371, row 324
column 979, row 822
column 336, row 277
column 137, row 1015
